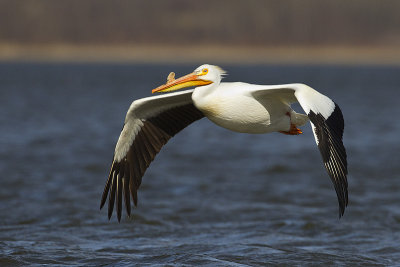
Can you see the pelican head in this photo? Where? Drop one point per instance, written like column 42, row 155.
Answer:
column 204, row 75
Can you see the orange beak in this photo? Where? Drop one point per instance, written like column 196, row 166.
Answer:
column 183, row 82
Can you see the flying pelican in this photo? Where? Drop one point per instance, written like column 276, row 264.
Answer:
column 240, row 107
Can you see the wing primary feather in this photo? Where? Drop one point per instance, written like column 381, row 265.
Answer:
column 121, row 168
column 133, row 191
column 134, row 175
column 107, row 186
column 135, row 172
column 119, row 197
column 111, row 198
column 125, row 185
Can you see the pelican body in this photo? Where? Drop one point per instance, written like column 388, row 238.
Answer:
column 240, row 107
column 234, row 107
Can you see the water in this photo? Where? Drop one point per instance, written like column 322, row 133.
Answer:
column 211, row 197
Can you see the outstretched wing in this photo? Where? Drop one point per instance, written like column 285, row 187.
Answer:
column 327, row 124
column 149, row 124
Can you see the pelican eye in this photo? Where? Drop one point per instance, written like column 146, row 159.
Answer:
column 204, row 71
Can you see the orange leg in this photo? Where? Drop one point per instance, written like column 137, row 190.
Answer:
column 293, row 129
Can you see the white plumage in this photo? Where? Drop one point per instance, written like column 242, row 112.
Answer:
column 241, row 107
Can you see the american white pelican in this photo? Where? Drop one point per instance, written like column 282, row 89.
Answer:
column 241, row 107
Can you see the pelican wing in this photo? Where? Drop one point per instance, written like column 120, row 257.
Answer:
column 149, row 124
column 327, row 124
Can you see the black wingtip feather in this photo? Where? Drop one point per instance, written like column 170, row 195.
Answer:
column 133, row 190
column 125, row 185
column 111, row 198
column 105, row 192
column 119, row 197
column 107, row 186
column 329, row 133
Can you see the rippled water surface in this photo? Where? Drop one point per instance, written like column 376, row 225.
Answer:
column 211, row 197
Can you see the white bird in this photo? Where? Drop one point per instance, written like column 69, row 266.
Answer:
column 241, row 107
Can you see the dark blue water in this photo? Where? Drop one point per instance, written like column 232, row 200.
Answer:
column 211, row 197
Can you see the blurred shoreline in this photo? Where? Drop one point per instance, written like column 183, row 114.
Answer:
column 347, row 55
